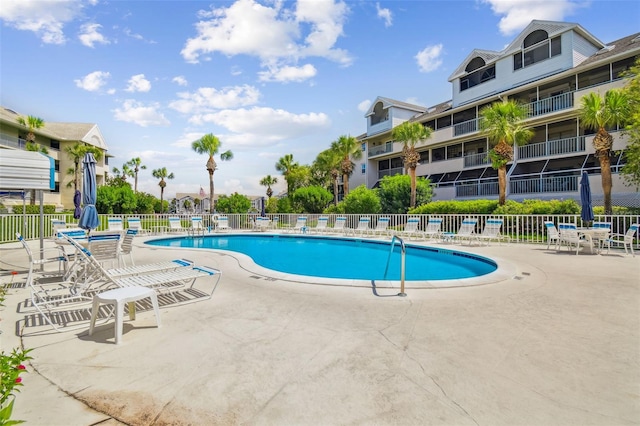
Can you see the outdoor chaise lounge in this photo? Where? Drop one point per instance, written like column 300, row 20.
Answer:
column 299, row 226
column 433, row 228
column 197, row 228
column 411, row 228
column 382, row 227
column 115, row 224
column 491, row 231
column 467, row 231
column 321, row 225
column 338, row 226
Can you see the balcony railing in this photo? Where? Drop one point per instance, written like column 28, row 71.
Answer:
column 544, row 184
column 390, row 172
column 378, row 150
column 465, row 127
column 553, row 147
column 473, row 160
column 18, row 143
column 477, row 189
column 551, row 104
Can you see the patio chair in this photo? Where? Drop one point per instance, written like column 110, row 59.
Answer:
column 115, row 224
column 338, row 226
column 601, row 238
column 196, row 226
column 321, row 225
column 625, row 239
column 570, row 236
column 105, row 247
column 553, row 236
column 382, row 227
column 411, row 228
column 57, row 225
column 491, row 231
column 175, row 225
column 299, row 226
column 135, row 223
column 126, row 247
column 467, row 231
column 45, row 256
column 433, row 228
column 261, row 223
column 362, row 228
column 274, row 222
column 223, row 224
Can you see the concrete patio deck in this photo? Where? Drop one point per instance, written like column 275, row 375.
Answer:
column 557, row 342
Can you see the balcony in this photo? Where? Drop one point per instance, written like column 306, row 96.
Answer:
column 16, row 143
column 554, row 147
column 474, row 160
column 379, row 150
column 551, row 104
column 544, row 184
column 390, row 172
column 465, row 127
column 477, row 189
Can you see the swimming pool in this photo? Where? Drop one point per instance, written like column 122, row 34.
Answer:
column 341, row 258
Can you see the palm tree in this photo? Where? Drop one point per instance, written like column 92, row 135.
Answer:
column 410, row 133
column 31, row 123
column 268, row 181
column 598, row 114
column 502, row 122
column 285, row 165
column 137, row 165
column 162, row 174
column 329, row 162
column 210, row 145
column 347, row 147
column 77, row 152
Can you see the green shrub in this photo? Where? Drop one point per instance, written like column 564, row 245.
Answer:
column 34, row 209
column 542, row 207
column 395, row 193
column 361, row 201
column 457, row 207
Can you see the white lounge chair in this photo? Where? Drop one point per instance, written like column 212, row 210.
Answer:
column 175, row 225
column 625, row 239
column 223, row 224
column 135, row 223
column 105, row 247
column 321, row 225
column 553, row 236
column 467, row 231
column 338, row 225
column 45, row 256
column 115, row 224
column 57, row 225
column 300, row 225
column 411, row 228
column 274, row 222
column 261, row 223
column 126, row 247
column 362, row 229
column 570, row 236
column 382, row 227
column 491, row 231
column 433, row 228
column 197, row 228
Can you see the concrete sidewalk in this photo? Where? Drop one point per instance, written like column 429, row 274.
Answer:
column 557, row 342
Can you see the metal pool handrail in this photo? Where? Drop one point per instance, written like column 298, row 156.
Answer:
column 403, row 252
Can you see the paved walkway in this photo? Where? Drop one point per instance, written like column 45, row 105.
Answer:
column 557, row 342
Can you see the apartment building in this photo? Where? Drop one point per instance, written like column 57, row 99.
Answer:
column 548, row 67
column 55, row 137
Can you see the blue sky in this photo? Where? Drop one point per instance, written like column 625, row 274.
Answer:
column 268, row 78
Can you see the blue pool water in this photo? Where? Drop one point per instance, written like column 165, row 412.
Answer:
column 341, row 258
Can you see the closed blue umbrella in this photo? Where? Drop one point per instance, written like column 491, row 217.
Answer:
column 586, row 214
column 89, row 217
column 77, row 199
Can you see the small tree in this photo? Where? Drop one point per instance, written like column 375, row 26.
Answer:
column 210, row 145
column 136, row 165
column 268, row 181
column 347, row 148
column 410, row 134
column 285, row 165
column 395, row 193
column 235, row 203
column 162, row 174
column 361, row 201
column 312, row 199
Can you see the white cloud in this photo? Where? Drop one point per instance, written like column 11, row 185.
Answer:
column 140, row 114
column 46, row 18
column 517, row 14
column 89, row 35
column 260, row 126
column 180, row 80
column 138, row 83
column 288, row 73
column 428, row 59
column 94, row 81
column 208, row 98
column 273, row 34
column 185, row 140
column 385, row 14
column 364, row 105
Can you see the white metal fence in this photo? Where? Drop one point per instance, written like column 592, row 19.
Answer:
column 521, row 228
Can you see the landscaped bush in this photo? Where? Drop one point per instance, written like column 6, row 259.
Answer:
column 361, row 200
column 34, row 209
column 543, row 207
column 457, row 207
column 395, row 193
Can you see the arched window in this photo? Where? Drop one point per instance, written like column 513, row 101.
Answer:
column 537, row 47
column 379, row 114
column 474, row 64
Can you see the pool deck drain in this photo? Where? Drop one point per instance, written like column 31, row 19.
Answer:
column 559, row 347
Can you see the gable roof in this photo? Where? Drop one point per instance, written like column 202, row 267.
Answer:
column 388, row 103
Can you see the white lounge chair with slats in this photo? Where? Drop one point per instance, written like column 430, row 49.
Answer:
column 491, row 231
column 136, row 223
column 299, row 226
column 175, row 225
column 321, row 225
column 115, row 224
column 338, row 225
column 411, row 228
column 222, row 224
column 382, row 227
column 362, row 229
column 197, row 228
column 433, row 228
column 467, row 231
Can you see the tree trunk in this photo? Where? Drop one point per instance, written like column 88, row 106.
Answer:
column 345, row 183
column 161, row 199
column 502, row 184
column 605, row 173
column 412, row 175
column 211, row 209
column 335, row 191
